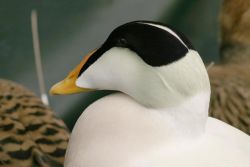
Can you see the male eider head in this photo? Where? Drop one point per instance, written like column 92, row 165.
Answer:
column 149, row 61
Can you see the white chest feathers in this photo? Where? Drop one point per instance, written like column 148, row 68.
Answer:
column 116, row 131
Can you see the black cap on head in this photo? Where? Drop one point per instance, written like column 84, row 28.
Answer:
column 155, row 43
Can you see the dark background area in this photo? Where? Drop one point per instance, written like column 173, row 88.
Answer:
column 70, row 29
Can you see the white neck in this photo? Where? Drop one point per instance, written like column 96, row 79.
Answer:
column 178, row 92
column 187, row 120
column 182, row 121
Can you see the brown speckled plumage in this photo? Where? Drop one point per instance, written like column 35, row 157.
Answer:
column 235, row 31
column 30, row 133
column 230, row 100
column 230, row 81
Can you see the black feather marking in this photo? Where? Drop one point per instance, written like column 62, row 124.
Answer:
column 154, row 45
column 21, row 131
column 13, row 109
column 37, row 107
column 4, row 162
column 58, row 126
column 34, row 106
column 44, row 141
column 9, row 140
column 2, row 117
column 38, row 113
column 33, row 127
column 21, row 154
column 6, row 127
column 9, row 97
column 48, row 142
column 44, row 160
column 25, row 96
column 178, row 33
column 58, row 152
column 50, row 131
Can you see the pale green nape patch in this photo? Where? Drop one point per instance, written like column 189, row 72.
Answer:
column 184, row 78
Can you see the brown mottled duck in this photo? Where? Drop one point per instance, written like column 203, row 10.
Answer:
column 230, row 80
column 30, row 133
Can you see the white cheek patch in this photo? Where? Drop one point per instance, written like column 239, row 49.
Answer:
column 115, row 66
column 82, row 83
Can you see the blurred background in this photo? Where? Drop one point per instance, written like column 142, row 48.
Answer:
column 70, row 29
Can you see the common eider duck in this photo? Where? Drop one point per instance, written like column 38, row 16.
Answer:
column 159, row 118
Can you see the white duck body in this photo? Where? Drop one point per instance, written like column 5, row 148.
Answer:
column 116, row 131
column 161, row 117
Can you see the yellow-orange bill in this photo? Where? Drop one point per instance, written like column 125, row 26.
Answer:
column 68, row 86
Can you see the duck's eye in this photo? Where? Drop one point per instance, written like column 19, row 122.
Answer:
column 122, row 42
